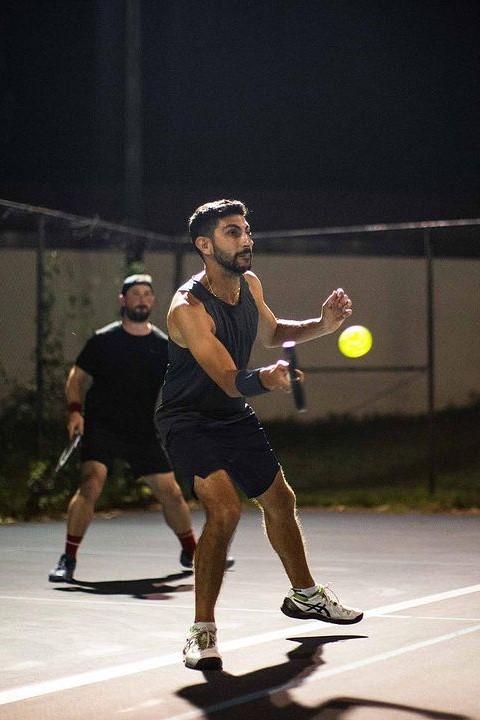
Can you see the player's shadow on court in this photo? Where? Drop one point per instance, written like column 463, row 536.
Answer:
column 266, row 693
column 143, row 589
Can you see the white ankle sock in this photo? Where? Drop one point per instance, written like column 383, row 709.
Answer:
column 204, row 626
column 307, row 591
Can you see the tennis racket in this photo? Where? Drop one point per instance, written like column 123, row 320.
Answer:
column 74, row 442
column 297, row 387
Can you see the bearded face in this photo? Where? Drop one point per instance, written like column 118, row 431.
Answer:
column 237, row 263
column 137, row 303
column 138, row 314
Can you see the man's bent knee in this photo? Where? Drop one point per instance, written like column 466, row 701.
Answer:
column 220, row 500
column 225, row 518
column 164, row 486
column 279, row 496
column 92, row 482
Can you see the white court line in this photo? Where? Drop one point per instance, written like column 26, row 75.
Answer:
column 319, row 675
column 70, row 599
column 426, row 600
column 430, row 617
column 88, row 678
column 383, row 610
column 134, row 602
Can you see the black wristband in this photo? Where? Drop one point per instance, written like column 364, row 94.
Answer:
column 248, row 383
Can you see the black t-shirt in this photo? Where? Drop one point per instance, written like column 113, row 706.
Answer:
column 127, row 372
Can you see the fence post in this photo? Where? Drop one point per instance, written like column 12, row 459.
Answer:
column 430, row 361
column 40, row 341
column 133, row 173
column 178, row 269
column 133, row 114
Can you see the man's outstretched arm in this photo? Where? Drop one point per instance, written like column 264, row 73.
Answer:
column 274, row 332
column 192, row 327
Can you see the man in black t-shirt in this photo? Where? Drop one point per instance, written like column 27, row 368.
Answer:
column 126, row 362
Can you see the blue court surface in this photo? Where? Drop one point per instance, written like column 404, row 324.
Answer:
column 109, row 646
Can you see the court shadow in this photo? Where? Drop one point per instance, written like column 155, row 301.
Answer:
column 266, row 693
column 142, row 589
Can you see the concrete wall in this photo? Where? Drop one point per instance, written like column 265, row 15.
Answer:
column 388, row 296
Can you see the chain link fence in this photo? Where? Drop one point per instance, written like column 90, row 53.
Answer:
column 413, row 285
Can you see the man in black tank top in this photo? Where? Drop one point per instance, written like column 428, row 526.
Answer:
column 212, row 436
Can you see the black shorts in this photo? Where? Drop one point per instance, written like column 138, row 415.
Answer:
column 102, row 444
column 240, row 448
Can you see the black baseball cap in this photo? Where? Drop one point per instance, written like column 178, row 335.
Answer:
column 132, row 280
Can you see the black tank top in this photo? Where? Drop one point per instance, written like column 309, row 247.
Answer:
column 188, row 393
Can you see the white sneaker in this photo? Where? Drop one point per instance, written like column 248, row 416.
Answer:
column 322, row 605
column 200, row 651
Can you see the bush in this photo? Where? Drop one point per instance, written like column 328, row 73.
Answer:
column 28, row 485
column 378, row 461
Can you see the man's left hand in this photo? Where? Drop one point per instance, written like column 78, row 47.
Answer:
column 336, row 308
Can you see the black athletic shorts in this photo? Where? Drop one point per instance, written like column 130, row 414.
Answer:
column 103, row 445
column 240, row 448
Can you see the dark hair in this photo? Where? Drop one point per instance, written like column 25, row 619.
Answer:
column 205, row 218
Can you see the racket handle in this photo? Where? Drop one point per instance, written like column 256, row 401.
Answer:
column 297, row 387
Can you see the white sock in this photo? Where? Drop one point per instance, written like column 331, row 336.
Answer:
column 204, row 626
column 307, row 591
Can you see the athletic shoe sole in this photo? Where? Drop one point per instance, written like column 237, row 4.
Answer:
column 54, row 578
column 289, row 608
column 211, row 663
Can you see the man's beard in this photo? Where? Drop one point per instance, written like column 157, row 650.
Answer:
column 138, row 314
column 231, row 263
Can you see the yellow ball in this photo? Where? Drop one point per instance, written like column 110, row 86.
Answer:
column 355, row 341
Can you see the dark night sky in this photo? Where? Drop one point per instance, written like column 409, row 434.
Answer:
column 369, row 109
